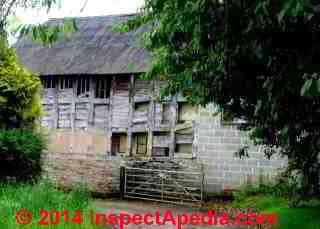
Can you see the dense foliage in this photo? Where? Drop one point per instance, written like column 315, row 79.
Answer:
column 257, row 59
column 19, row 93
column 20, row 154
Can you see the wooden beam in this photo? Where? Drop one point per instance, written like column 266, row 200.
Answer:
column 110, row 107
column 91, row 104
column 173, row 122
column 73, row 104
column 130, row 115
column 56, row 107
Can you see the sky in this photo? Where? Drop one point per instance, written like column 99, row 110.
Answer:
column 71, row 8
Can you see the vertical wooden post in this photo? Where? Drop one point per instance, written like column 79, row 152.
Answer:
column 173, row 122
column 110, row 112
column 131, row 108
column 56, row 105
column 91, row 102
column 151, row 118
column 122, row 181
column 73, row 103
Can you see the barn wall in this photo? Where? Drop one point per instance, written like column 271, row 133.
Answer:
column 120, row 102
column 82, row 126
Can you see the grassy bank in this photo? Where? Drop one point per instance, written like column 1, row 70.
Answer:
column 305, row 216
column 14, row 198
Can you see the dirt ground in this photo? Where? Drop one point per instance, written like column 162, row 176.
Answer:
column 116, row 206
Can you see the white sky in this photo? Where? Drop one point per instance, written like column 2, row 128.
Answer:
column 71, row 8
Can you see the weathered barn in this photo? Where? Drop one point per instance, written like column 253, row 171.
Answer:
column 96, row 105
column 91, row 81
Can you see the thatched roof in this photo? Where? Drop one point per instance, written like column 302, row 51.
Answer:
column 94, row 49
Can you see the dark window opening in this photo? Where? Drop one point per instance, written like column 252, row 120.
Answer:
column 48, row 82
column 141, row 107
column 65, row 83
column 102, row 89
column 141, row 143
column 160, row 133
column 185, row 148
column 83, row 86
column 229, row 119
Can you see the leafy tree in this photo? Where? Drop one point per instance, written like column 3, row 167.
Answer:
column 7, row 8
column 257, row 59
column 19, row 93
column 19, row 88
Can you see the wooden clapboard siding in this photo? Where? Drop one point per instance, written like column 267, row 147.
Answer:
column 161, row 140
column 120, row 102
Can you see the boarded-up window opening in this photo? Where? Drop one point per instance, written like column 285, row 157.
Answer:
column 115, row 145
column 184, row 138
column 65, row 83
column 183, row 148
column 141, row 143
column 166, row 113
column 118, row 144
column 48, row 82
column 102, row 89
column 83, row 85
column 186, row 112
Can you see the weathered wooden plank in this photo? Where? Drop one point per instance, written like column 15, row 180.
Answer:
column 184, row 138
column 55, row 110
column 100, row 116
column 120, row 103
column 65, row 95
column 91, row 105
column 142, row 88
column 161, row 140
column 82, row 115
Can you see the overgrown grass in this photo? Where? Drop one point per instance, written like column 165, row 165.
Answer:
column 304, row 216
column 44, row 195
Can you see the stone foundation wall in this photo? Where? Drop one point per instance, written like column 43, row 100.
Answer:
column 99, row 173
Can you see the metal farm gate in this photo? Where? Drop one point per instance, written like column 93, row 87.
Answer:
column 162, row 185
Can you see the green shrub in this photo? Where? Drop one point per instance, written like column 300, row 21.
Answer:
column 20, row 154
column 19, row 93
column 285, row 185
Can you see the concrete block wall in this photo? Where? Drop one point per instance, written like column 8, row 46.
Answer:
column 216, row 145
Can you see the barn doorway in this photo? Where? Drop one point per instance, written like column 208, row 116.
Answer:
column 119, row 144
